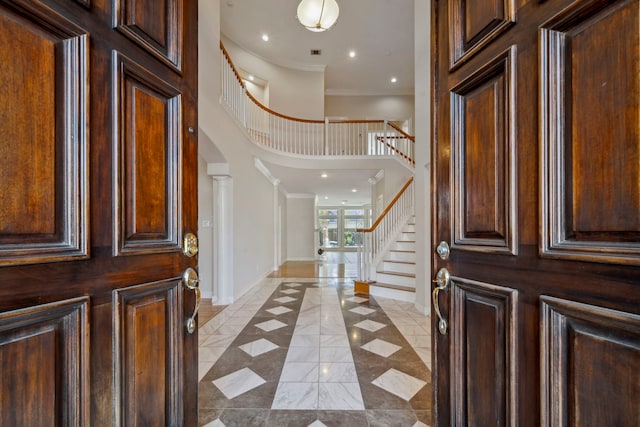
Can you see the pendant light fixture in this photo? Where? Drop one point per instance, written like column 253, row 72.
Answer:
column 318, row 15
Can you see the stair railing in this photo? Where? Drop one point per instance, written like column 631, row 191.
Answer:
column 377, row 238
column 310, row 137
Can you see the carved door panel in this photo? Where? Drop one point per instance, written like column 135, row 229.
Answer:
column 536, row 174
column 98, row 168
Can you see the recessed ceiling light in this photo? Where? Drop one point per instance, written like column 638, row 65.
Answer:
column 326, row 197
column 393, row 80
column 352, row 54
column 265, row 37
column 353, row 190
column 324, row 175
column 343, row 202
column 251, row 77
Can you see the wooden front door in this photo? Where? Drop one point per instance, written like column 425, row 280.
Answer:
column 98, row 172
column 537, row 191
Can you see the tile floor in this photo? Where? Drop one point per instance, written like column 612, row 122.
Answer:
column 308, row 352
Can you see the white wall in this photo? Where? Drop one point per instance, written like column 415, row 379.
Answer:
column 282, row 203
column 392, row 107
column 422, row 125
column 300, row 227
column 259, row 92
column 205, row 230
column 253, row 202
column 291, row 92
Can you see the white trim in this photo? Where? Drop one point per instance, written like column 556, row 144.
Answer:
column 356, row 92
column 218, row 169
column 265, row 171
column 251, row 287
column 300, row 196
column 281, row 62
column 301, row 259
column 223, row 285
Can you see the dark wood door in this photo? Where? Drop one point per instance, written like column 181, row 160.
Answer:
column 98, row 172
column 536, row 185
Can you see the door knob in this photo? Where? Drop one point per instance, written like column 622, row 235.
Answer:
column 442, row 279
column 191, row 281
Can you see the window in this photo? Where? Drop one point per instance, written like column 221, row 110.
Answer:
column 352, row 219
column 337, row 227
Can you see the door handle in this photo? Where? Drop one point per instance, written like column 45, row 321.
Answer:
column 191, row 281
column 442, row 279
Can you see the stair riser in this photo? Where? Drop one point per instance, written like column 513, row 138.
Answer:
column 404, row 246
column 397, row 267
column 392, row 279
column 392, row 293
column 409, row 228
column 406, row 236
column 401, row 256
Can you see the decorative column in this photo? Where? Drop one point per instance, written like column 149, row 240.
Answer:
column 277, row 232
column 222, row 234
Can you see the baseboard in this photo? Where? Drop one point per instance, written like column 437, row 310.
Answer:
column 253, row 285
column 424, row 309
column 300, row 259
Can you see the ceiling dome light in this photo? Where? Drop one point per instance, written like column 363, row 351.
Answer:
column 318, row 15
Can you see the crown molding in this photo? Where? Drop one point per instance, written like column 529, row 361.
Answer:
column 356, row 92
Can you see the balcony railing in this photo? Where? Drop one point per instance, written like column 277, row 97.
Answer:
column 310, row 137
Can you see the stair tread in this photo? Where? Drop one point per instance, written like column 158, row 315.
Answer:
column 390, row 286
column 402, row 250
column 405, row 241
column 396, row 273
column 399, row 262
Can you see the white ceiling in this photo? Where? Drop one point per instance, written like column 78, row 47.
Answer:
column 336, row 187
column 380, row 31
column 381, row 34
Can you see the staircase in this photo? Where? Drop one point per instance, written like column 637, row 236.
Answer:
column 396, row 273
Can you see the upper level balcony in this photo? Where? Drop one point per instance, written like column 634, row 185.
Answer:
column 291, row 136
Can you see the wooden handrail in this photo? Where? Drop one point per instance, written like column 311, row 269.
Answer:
column 264, row 119
column 275, row 113
column 252, row 98
column 382, row 139
column 233, row 67
column 411, row 138
column 387, row 209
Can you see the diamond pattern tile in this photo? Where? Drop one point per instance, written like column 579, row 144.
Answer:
column 317, row 423
column 238, row 382
column 398, row 383
column 362, row 310
column 215, row 423
column 271, row 325
column 258, row 347
column 279, row 310
column 370, row 325
column 357, row 300
column 293, row 285
column 289, row 291
column 284, row 300
column 381, row 347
